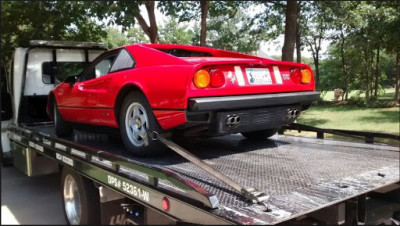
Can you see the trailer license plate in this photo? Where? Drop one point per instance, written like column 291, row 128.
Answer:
column 128, row 188
column 258, row 76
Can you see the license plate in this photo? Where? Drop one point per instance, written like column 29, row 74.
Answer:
column 258, row 76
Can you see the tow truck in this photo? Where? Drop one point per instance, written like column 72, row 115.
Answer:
column 220, row 180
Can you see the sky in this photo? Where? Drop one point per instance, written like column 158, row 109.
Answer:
column 267, row 48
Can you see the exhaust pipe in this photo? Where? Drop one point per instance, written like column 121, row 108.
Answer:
column 232, row 120
column 292, row 113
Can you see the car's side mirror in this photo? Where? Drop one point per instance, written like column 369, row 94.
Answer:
column 71, row 80
column 6, row 108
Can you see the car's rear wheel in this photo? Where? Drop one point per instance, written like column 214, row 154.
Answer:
column 260, row 134
column 63, row 128
column 135, row 119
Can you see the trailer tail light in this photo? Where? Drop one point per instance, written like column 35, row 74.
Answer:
column 201, row 79
column 295, row 75
column 165, row 204
column 217, row 78
column 305, row 76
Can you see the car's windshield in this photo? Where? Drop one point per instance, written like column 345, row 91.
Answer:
column 185, row 53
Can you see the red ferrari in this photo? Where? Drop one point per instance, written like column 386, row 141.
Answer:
column 197, row 90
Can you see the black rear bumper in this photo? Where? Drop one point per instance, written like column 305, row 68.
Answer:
column 250, row 101
column 213, row 115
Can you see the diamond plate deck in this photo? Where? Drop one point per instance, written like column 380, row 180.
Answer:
column 301, row 175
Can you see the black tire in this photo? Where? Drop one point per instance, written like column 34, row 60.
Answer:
column 88, row 198
column 141, row 146
column 260, row 134
column 63, row 128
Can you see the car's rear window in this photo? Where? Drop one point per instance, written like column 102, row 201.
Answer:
column 185, row 53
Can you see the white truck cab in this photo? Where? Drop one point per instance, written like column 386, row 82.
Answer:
column 33, row 72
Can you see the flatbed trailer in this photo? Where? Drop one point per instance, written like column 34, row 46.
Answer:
column 306, row 179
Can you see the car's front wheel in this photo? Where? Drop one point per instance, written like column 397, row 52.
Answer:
column 260, row 134
column 135, row 119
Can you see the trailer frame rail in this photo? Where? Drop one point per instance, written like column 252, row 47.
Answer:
column 367, row 136
column 108, row 169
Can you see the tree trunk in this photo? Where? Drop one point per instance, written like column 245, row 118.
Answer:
column 152, row 30
column 367, row 88
column 344, row 69
column 315, row 54
column 204, row 5
column 298, row 33
column 397, row 86
column 367, row 70
column 377, row 73
column 371, row 84
column 153, row 23
column 316, row 63
column 290, row 31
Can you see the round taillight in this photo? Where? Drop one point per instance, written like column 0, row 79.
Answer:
column 295, row 75
column 306, row 76
column 165, row 204
column 217, row 78
column 201, row 79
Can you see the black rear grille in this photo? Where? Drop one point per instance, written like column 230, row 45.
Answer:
column 252, row 120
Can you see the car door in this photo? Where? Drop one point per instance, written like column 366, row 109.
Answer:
column 106, row 88
column 79, row 102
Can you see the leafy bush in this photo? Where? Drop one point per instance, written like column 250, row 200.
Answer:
column 381, row 104
column 356, row 100
column 373, row 103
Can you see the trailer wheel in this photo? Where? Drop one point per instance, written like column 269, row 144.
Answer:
column 260, row 134
column 136, row 117
column 63, row 128
column 80, row 199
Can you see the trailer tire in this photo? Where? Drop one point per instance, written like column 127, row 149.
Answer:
column 63, row 128
column 260, row 134
column 136, row 141
column 83, row 199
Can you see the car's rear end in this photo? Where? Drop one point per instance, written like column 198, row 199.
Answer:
column 231, row 92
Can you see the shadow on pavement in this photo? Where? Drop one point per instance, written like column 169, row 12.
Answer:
column 30, row 200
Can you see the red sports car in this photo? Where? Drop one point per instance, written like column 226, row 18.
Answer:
column 197, row 90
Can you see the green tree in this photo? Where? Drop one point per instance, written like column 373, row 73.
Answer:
column 315, row 27
column 136, row 35
column 189, row 10
column 126, row 14
column 22, row 21
column 115, row 38
column 235, row 33
column 174, row 32
column 360, row 38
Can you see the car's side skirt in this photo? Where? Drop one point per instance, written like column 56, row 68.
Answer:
column 103, row 116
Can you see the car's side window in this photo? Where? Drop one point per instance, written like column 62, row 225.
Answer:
column 123, row 61
column 101, row 68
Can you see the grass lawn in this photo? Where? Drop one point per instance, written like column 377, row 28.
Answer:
column 387, row 94
column 348, row 117
column 385, row 120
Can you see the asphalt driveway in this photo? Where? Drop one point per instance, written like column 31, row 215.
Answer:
column 30, row 200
